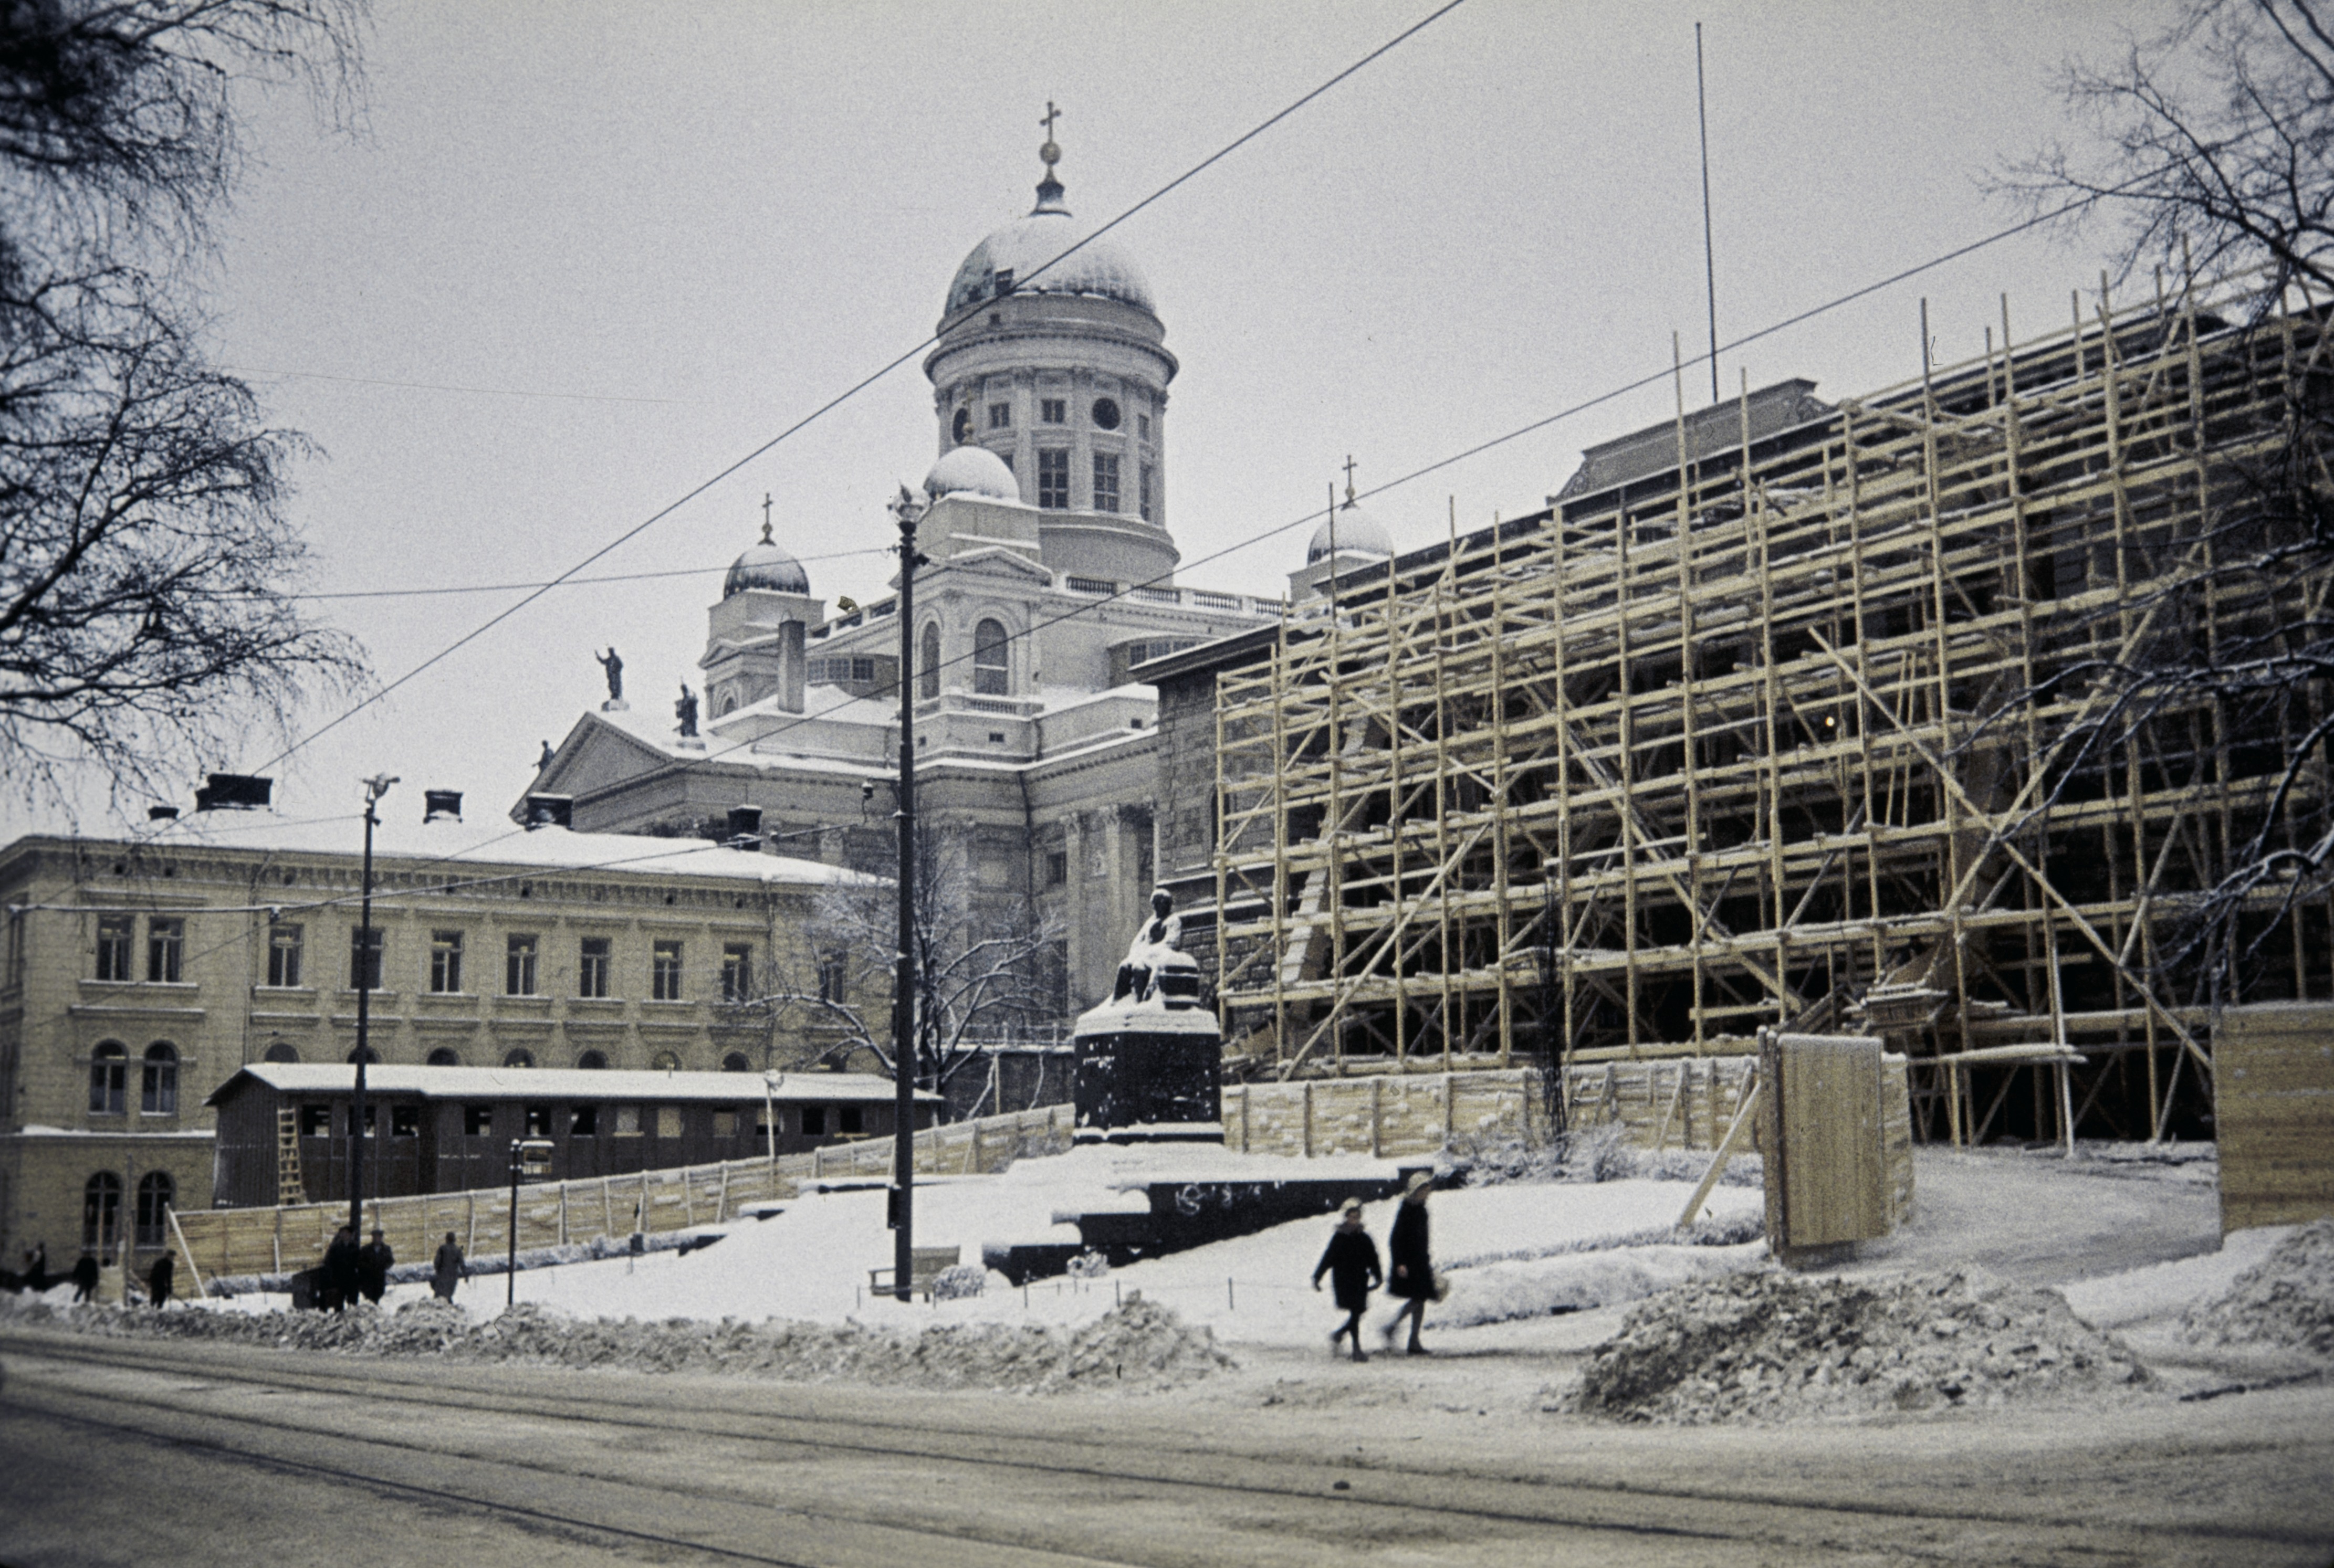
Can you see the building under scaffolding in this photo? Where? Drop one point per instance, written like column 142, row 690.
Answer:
column 1798, row 715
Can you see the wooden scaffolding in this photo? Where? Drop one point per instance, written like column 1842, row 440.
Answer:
column 1784, row 734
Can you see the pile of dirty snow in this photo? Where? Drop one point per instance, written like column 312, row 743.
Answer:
column 1773, row 1347
column 2285, row 1302
column 1140, row 1345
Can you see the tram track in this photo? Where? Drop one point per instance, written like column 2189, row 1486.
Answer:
column 406, row 1412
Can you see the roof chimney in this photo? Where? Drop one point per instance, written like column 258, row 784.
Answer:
column 441, row 804
column 234, row 792
column 549, row 811
column 161, row 813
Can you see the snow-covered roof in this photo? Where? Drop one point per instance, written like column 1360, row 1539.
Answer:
column 496, row 842
column 556, row 1083
column 1101, row 266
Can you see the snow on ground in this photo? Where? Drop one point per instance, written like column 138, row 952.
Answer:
column 2165, row 1290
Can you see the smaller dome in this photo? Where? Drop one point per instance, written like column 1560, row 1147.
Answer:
column 1356, row 533
column 766, row 566
column 972, row 471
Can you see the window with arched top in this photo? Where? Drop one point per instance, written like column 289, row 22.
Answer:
column 735, row 1063
column 444, row 1056
column 593, row 1061
column 729, row 705
column 156, row 1193
column 109, row 1079
column 158, row 1087
column 928, row 661
column 280, row 1052
column 101, row 1212
column 989, row 673
column 372, row 1056
column 519, row 1057
column 666, row 1062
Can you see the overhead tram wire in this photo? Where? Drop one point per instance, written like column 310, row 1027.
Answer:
column 855, row 389
column 1100, row 602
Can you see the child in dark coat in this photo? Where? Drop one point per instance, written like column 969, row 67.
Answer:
column 1413, row 1278
column 1350, row 1261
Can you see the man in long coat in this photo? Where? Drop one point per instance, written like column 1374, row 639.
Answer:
column 158, row 1281
column 446, row 1271
column 374, row 1261
column 1412, row 1277
column 1350, row 1261
column 341, row 1269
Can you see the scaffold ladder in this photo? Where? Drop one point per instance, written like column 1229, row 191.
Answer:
column 289, row 1188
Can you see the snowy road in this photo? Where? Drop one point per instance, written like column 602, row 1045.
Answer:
column 117, row 1452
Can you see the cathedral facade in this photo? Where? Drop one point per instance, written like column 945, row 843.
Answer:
column 1049, row 575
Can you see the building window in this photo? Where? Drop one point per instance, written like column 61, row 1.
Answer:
column 315, row 1122
column 1142, row 426
column 155, row 1195
column 851, row 1119
column 831, row 977
column 1054, row 480
column 667, row 1122
column 158, row 1088
column 735, row 1063
column 664, row 972
column 1000, row 416
column 372, row 1056
column 1058, row 867
column 725, row 1122
column 519, row 1057
column 585, row 1123
column 1143, row 491
column 115, row 933
column 478, row 1120
column 814, row 1120
column 518, row 967
column 592, row 967
column 364, row 958
column 928, row 661
column 280, row 1052
column 372, row 1119
column 101, row 1212
column 166, row 941
column 405, row 1121
column 446, row 963
column 961, row 426
column 738, row 972
column 444, row 1056
column 989, row 673
column 538, row 1121
column 665, row 1061
column 1105, row 486
column 1054, row 410
column 1106, row 413
column 283, row 956
column 108, row 1079
column 592, row 1061
column 627, row 1121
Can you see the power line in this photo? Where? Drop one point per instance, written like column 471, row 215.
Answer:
column 442, row 387
column 562, row 581
column 846, row 394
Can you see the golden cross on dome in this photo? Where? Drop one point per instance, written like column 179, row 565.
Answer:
column 1051, row 153
column 1349, row 478
column 765, row 516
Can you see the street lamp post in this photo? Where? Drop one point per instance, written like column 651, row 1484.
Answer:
column 375, row 787
column 910, row 512
column 527, row 1155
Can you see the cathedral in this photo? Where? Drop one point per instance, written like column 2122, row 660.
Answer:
column 1050, row 577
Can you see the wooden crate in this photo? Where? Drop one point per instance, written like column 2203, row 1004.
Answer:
column 2274, row 1113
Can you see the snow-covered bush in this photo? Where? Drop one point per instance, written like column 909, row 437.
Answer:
column 960, row 1283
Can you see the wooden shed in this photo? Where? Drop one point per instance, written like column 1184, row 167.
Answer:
column 449, row 1128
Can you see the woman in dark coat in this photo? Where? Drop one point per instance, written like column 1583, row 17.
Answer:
column 341, row 1266
column 159, row 1282
column 447, row 1269
column 84, row 1278
column 1412, row 1276
column 1350, row 1261
column 374, row 1260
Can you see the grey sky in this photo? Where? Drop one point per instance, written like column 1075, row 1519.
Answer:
column 647, row 238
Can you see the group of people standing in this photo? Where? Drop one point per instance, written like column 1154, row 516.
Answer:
column 85, row 1275
column 1350, row 1261
column 349, row 1271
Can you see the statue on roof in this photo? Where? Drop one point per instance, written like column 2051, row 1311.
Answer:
column 544, row 761
column 685, row 710
column 614, row 666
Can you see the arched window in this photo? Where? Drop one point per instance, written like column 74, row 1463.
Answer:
column 445, row 1056
column 101, row 1212
column 155, row 1196
column 666, row 1062
column 729, row 705
column 109, row 1081
column 372, row 1056
column 928, row 661
column 735, row 1063
column 280, row 1052
column 519, row 1057
column 989, row 659
column 593, row 1061
column 158, row 1088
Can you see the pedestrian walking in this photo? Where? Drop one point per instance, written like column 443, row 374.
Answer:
column 1350, row 1261
column 159, row 1280
column 1412, row 1278
column 37, row 1267
column 84, row 1277
column 374, row 1261
column 339, row 1269
column 446, row 1270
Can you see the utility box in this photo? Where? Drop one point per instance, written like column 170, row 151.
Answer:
column 2274, row 1113
column 1822, row 1131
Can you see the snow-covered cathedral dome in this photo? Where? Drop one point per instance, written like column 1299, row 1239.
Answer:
column 767, row 566
column 972, row 471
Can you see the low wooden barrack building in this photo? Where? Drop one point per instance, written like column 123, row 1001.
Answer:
column 449, row 1129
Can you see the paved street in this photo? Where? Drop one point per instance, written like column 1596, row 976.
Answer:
column 119, row 1453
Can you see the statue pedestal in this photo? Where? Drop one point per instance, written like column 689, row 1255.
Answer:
column 615, row 705
column 1150, row 1071
column 689, row 742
